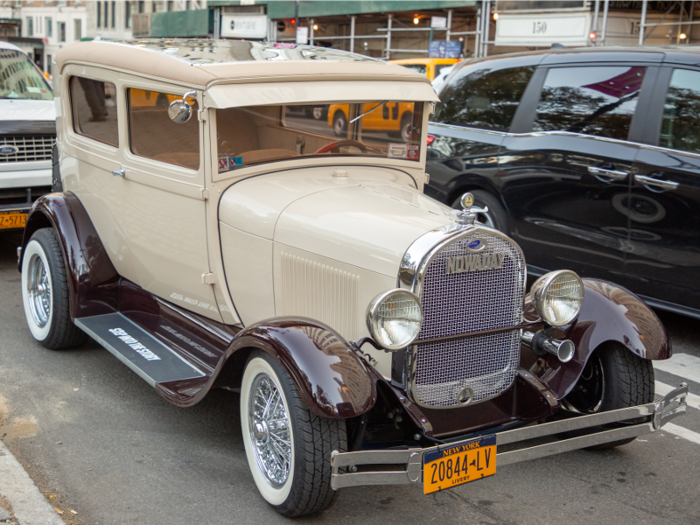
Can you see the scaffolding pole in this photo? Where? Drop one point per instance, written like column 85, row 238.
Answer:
column 352, row 33
column 606, row 5
column 643, row 22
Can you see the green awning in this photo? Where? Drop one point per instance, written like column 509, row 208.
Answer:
column 307, row 9
column 195, row 23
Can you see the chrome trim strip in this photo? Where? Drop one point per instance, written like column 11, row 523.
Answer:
column 409, row 462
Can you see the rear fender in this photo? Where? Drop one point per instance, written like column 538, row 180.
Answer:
column 332, row 380
column 609, row 313
column 92, row 279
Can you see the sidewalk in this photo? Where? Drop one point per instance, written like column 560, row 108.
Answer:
column 27, row 506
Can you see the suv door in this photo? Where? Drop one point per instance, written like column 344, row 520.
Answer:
column 466, row 132
column 664, row 205
column 566, row 173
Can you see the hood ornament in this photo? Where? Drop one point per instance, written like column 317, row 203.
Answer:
column 468, row 214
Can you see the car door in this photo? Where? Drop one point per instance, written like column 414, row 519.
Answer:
column 466, row 132
column 566, row 170
column 141, row 186
column 664, row 204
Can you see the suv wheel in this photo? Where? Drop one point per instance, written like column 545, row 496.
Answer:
column 495, row 218
column 45, row 293
column 288, row 448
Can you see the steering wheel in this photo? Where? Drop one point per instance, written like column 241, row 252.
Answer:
column 339, row 144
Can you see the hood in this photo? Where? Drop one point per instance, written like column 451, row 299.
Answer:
column 368, row 222
column 14, row 109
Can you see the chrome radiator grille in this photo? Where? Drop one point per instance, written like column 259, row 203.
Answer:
column 462, row 303
column 31, row 147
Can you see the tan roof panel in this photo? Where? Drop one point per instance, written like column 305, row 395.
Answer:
column 200, row 62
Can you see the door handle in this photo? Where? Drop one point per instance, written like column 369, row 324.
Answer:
column 119, row 172
column 605, row 175
column 659, row 185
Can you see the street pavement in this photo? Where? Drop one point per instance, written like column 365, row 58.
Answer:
column 104, row 448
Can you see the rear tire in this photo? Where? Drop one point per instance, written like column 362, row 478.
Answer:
column 300, row 484
column 340, row 124
column 45, row 293
column 613, row 378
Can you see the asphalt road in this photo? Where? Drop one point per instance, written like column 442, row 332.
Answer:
column 98, row 440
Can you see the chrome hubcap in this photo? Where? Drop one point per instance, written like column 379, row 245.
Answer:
column 269, row 430
column 38, row 291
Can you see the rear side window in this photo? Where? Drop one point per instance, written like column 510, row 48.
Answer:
column 153, row 135
column 94, row 106
column 679, row 129
column 592, row 100
column 483, row 99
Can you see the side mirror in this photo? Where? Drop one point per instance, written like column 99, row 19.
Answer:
column 180, row 111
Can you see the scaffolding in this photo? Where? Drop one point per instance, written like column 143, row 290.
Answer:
column 680, row 24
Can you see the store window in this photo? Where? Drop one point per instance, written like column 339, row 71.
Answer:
column 127, row 15
column 30, row 26
column 592, row 100
column 77, row 29
column 99, row 14
column 49, row 26
column 61, row 31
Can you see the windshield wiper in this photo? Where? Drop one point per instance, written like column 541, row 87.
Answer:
column 367, row 112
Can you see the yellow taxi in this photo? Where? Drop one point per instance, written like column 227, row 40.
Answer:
column 430, row 67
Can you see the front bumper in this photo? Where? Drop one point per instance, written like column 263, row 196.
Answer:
column 405, row 466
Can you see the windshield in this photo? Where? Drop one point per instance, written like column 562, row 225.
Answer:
column 255, row 135
column 19, row 77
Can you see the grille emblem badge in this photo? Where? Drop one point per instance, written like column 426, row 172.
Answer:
column 465, row 395
column 476, row 245
column 474, row 262
column 6, row 149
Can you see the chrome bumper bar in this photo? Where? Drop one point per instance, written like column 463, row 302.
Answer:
column 399, row 467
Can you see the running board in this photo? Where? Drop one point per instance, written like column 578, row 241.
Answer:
column 152, row 360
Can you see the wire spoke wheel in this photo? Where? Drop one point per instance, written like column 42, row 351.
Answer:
column 269, row 430
column 587, row 396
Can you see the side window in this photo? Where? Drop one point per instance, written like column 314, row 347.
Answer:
column 153, row 135
column 592, row 100
column 679, row 128
column 484, row 98
column 94, row 107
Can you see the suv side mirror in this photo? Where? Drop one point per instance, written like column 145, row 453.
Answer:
column 180, row 111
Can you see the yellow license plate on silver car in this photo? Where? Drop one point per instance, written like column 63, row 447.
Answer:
column 12, row 219
column 458, row 463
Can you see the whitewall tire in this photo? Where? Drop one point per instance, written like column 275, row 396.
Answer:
column 287, row 446
column 45, row 293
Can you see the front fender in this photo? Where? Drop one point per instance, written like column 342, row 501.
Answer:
column 609, row 313
column 92, row 279
column 332, row 380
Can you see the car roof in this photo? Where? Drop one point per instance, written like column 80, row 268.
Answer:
column 7, row 45
column 678, row 54
column 204, row 61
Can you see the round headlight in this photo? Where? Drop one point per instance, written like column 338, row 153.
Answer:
column 394, row 319
column 558, row 297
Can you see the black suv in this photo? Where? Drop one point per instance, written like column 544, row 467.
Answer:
column 589, row 158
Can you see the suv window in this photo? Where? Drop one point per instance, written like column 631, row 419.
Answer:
column 679, row 128
column 94, row 109
column 484, row 98
column 153, row 135
column 592, row 100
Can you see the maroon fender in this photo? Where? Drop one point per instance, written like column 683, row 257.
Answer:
column 609, row 313
column 332, row 380
column 92, row 279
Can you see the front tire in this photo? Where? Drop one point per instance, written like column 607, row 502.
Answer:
column 613, row 378
column 288, row 448
column 45, row 293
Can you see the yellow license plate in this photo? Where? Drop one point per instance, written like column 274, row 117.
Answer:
column 458, row 463
column 13, row 219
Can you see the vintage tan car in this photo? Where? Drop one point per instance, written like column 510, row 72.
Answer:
column 375, row 336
